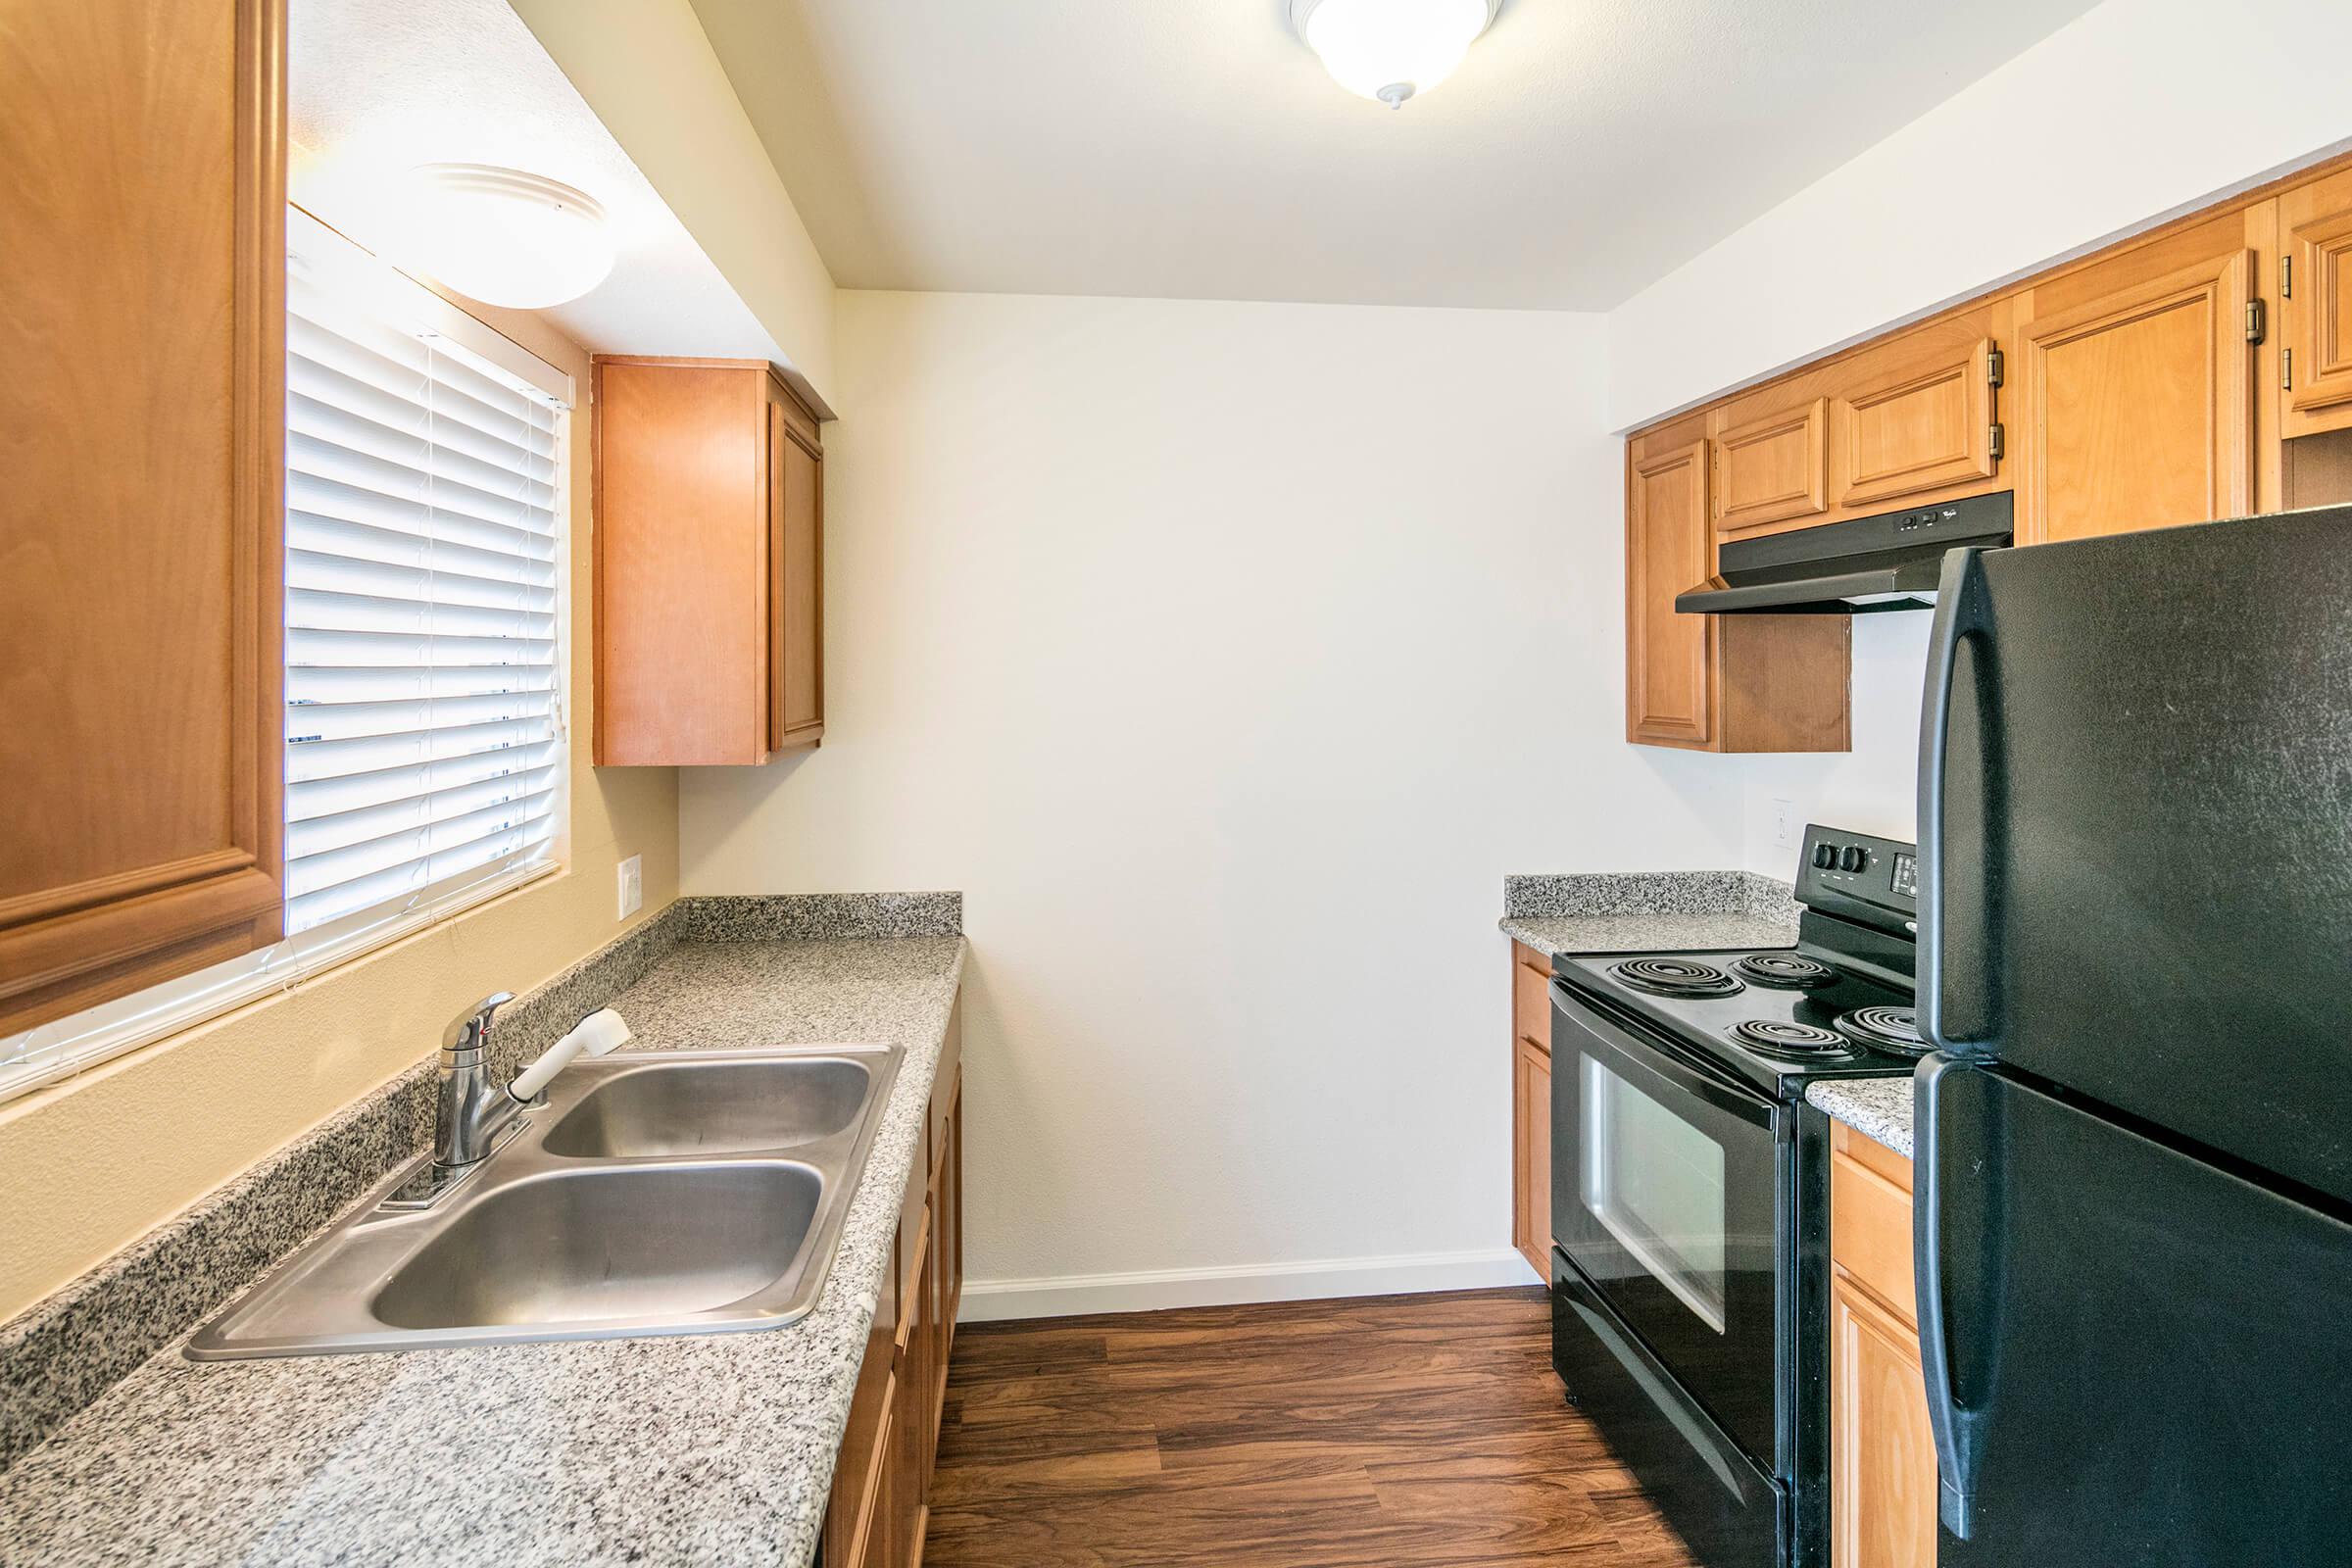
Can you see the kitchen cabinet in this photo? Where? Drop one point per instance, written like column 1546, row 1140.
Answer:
column 710, row 563
column 1721, row 683
column 142, row 524
column 1882, row 1451
column 879, row 1512
column 1916, row 418
column 2314, row 305
column 2136, row 388
column 1530, row 1107
column 1773, row 465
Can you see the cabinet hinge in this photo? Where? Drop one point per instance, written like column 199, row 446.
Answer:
column 2287, row 370
column 2287, row 278
column 2257, row 321
column 1996, row 367
column 1997, row 442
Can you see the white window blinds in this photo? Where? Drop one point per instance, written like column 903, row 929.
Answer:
column 423, row 637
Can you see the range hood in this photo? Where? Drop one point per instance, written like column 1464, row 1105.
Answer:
column 1891, row 561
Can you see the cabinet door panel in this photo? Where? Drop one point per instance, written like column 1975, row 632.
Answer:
column 1530, row 1153
column 1923, row 422
column 1772, row 468
column 1881, row 1450
column 142, row 524
column 2316, row 314
column 1670, row 696
column 796, row 638
column 2138, row 405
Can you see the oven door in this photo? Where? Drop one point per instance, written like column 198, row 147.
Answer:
column 1665, row 1196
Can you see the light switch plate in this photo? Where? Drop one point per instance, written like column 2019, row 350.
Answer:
column 632, row 885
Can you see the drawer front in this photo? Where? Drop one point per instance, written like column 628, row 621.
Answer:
column 1531, row 997
column 1870, row 1229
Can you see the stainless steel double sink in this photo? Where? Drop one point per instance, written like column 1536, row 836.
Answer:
column 683, row 1192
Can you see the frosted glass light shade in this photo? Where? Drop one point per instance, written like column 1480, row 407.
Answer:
column 503, row 237
column 1390, row 50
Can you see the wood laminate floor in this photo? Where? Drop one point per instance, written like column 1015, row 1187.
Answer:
column 1404, row 1430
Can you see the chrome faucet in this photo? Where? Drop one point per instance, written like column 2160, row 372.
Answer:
column 473, row 1110
column 474, row 1115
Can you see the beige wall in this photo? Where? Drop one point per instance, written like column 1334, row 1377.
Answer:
column 1226, row 656
column 93, row 1163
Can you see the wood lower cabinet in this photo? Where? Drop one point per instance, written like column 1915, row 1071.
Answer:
column 710, row 563
column 1716, row 683
column 1882, row 1451
column 1530, row 1107
column 879, row 1513
column 2135, row 390
column 143, row 432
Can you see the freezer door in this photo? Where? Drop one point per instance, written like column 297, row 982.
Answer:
column 2131, row 1355
column 2135, row 828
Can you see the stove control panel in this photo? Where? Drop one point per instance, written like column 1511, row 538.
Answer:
column 1864, row 878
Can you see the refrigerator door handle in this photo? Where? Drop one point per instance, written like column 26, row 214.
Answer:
column 1957, row 1428
column 1946, row 963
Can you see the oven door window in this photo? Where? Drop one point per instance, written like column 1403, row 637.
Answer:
column 1655, row 1183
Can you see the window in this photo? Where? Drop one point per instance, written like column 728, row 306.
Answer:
column 426, row 636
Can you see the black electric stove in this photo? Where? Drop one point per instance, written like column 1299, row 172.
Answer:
column 1690, row 1196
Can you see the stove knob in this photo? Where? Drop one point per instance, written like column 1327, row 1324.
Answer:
column 1854, row 858
column 1825, row 855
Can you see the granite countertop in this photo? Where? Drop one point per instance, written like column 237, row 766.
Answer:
column 1647, row 912
column 710, row 1449
column 1878, row 1107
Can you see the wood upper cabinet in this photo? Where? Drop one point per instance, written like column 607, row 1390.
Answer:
column 2314, row 307
column 1530, row 1107
column 1772, row 467
column 141, row 527
column 1669, row 695
column 1916, row 416
column 1881, row 1449
column 2135, row 389
column 710, row 556
column 1721, row 683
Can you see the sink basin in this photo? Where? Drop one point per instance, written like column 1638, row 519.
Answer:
column 714, row 1107
column 587, row 1245
column 684, row 1192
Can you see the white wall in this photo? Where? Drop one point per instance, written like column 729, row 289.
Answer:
column 2133, row 111
column 1226, row 656
column 2136, row 111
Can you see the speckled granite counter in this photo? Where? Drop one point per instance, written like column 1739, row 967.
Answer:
column 1650, row 910
column 1878, row 1108
column 717, row 1448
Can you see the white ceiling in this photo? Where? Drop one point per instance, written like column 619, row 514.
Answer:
column 1195, row 149
column 378, row 87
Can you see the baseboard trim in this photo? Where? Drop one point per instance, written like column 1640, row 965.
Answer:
column 1151, row 1290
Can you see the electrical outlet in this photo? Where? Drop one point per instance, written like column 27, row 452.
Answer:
column 1784, row 824
column 632, row 885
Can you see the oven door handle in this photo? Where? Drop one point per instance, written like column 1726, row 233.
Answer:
column 1753, row 1109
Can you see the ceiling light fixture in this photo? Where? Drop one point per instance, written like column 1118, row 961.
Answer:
column 502, row 236
column 1390, row 50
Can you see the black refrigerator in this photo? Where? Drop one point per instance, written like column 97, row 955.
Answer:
column 2133, row 1157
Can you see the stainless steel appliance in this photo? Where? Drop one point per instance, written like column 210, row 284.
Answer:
column 1690, row 1196
column 2134, row 1162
